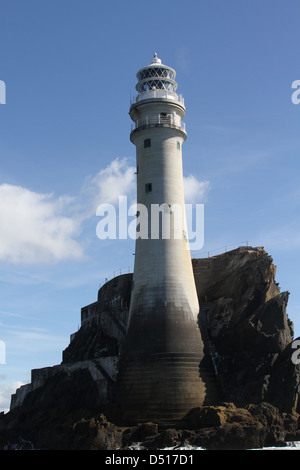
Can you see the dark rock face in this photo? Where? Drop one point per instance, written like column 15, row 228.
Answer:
column 247, row 336
column 284, row 383
column 48, row 413
column 91, row 342
column 248, row 331
column 223, row 427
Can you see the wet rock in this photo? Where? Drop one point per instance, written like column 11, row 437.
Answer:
column 166, row 438
column 94, row 434
column 144, row 431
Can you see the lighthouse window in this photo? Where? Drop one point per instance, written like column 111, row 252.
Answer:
column 148, row 187
column 147, row 143
column 178, row 145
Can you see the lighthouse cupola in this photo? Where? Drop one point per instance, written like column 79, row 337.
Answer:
column 156, row 76
column 157, row 103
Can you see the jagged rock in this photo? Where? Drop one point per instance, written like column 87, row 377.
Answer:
column 218, row 427
column 284, row 383
column 229, row 427
column 216, row 416
column 244, row 315
column 48, row 411
column 223, row 427
column 94, row 434
column 143, row 431
column 90, row 342
column 167, row 438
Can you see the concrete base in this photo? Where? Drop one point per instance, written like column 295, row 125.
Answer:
column 163, row 372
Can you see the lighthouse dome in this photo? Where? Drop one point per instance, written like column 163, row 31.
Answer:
column 156, row 76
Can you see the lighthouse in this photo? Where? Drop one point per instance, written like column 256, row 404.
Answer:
column 160, row 374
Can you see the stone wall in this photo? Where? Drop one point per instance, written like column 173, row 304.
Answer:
column 103, row 371
column 113, row 296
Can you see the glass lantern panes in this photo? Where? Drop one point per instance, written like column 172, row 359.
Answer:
column 156, row 72
column 156, row 78
column 155, row 85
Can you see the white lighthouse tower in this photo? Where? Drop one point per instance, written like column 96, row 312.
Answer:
column 160, row 373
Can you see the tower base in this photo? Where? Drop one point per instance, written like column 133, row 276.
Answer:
column 163, row 373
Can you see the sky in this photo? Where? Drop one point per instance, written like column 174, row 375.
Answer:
column 69, row 70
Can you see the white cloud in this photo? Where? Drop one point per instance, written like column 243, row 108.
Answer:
column 195, row 191
column 117, row 179
column 5, row 394
column 34, row 227
column 38, row 228
column 41, row 228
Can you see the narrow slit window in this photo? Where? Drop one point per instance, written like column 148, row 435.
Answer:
column 147, row 143
column 178, row 145
column 148, row 187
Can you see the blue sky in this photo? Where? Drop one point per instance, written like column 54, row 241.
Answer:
column 69, row 67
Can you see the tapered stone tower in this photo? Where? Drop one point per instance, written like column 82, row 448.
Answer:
column 160, row 372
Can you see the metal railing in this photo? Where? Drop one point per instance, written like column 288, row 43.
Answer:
column 195, row 254
column 159, row 119
column 145, row 95
column 220, row 250
column 117, row 272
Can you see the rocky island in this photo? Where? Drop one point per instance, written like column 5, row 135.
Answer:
column 252, row 390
